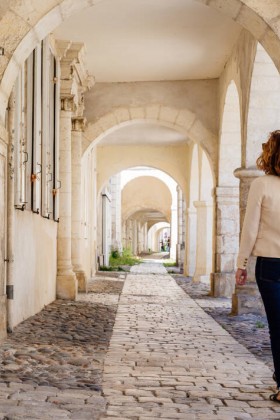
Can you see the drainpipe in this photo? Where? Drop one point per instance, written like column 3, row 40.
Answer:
column 10, row 214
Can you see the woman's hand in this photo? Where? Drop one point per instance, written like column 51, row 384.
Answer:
column 240, row 277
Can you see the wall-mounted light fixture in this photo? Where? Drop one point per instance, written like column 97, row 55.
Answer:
column 2, row 51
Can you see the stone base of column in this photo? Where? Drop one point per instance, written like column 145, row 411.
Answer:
column 246, row 300
column 82, row 281
column 3, row 317
column 222, row 284
column 201, row 278
column 66, row 286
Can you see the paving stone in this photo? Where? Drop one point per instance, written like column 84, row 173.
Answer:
column 168, row 358
column 196, row 356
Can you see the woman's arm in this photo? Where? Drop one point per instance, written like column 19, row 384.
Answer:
column 251, row 223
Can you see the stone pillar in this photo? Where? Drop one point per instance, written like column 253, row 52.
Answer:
column 181, row 228
column 190, row 252
column 106, row 225
column 173, row 232
column 78, row 124
column 139, row 238
column 116, row 211
column 227, row 241
column 129, row 235
column 66, row 278
column 134, row 237
column 204, row 241
column 247, row 299
column 145, row 237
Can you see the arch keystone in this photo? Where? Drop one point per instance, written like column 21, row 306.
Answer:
column 168, row 114
column 122, row 115
column 137, row 113
column 152, row 112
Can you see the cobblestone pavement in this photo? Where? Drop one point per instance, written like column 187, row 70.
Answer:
column 51, row 366
column 169, row 359
column 249, row 329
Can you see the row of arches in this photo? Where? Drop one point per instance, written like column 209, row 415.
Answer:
column 202, row 157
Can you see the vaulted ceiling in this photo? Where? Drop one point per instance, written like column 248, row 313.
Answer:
column 144, row 40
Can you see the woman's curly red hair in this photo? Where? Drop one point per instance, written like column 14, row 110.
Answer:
column 269, row 160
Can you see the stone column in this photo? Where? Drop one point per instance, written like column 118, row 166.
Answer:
column 116, row 211
column 78, row 124
column 134, row 237
column 181, row 228
column 190, row 251
column 106, row 225
column 139, row 237
column 66, row 278
column 173, row 232
column 129, row 235
column 204, row 241
column 146, row 246
column 247, row 299
column 227, row 241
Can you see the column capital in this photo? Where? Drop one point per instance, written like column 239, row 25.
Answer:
column 78, row 123
column 67, row 103
column 227, row 195
column 190, row 211
column 203, row 203
column 227, row 191
column 247, row 173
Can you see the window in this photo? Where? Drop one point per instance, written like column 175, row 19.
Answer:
column 36, row 133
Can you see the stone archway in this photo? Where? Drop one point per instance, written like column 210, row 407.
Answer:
column 24, row 27
column 183, row 121
column 147, row 199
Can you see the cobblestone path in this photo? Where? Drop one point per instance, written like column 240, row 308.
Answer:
column 169, row 359
column 251, row 330
column 51, row 366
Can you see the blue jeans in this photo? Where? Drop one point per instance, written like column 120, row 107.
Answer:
column 268, row 281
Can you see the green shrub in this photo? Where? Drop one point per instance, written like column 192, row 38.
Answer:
column 106, row 268
column 260, row 324
column 170, row 264
column 126, row 258
column 115, row 253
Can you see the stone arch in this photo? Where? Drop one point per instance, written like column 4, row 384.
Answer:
column 35, row 23
column 153, row 235
column 230, row 138
column 136, row 197
column 112, row 160
column 168, row 206
column 183, row 121
column 162, row 176
column 264, row 102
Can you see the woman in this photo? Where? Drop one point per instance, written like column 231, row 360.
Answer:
column 261, row 237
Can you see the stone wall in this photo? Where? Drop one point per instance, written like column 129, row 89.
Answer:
column 35, row 264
